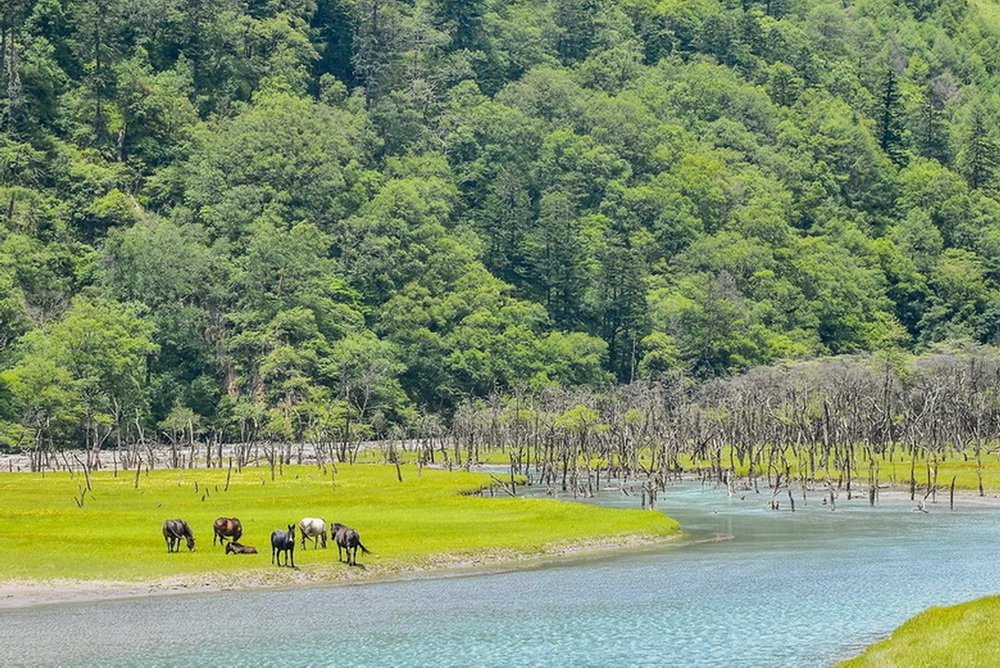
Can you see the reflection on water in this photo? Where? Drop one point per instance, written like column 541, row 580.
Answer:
column 790, row 589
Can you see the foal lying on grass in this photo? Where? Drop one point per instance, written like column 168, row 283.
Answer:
column 236, row 548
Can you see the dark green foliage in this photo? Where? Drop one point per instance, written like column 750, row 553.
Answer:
column 319, row 220
column 929, row 125
column 462, row 20
column 577, row 24
column 890, row 122
column 979, row 156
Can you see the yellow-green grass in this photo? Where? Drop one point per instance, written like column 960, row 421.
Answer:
column 894, row 469
column 961, row 635
column 891, row 470
column 116, row 535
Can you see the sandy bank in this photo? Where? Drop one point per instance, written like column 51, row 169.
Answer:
column 28, row 593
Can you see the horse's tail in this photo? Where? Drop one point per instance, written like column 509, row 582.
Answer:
column 364, row 550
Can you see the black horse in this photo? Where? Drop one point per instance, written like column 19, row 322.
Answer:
column 173, row 531
column 349, row 540
column 283, row 541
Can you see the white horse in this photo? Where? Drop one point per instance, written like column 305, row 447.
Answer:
column 315, row 528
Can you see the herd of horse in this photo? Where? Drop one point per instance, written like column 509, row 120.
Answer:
column 228, row 531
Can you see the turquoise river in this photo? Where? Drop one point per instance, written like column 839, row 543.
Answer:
column 803, row 588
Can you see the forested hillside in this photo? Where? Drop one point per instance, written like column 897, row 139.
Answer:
column 292, row 216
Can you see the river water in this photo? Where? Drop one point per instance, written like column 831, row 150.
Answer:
column 803, row 588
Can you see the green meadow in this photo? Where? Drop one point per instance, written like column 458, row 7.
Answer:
column 430, row 517
column 960, row 635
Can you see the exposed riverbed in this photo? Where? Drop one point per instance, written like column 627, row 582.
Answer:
column 806, row 588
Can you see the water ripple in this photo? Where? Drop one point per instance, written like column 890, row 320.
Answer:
column 790, row 589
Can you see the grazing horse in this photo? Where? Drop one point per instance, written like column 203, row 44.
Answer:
column 283, row 541
column 227, row 527
column 348, row 540
column 315, row 528
column 233, row 547
column 173, row 531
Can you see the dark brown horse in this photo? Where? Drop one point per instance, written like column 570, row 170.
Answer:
column 283, row 541
column 173, row 531
column 235, row 548
column 348, row 540
column 227, row 527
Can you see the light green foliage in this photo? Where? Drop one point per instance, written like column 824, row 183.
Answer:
column 491, row 195
column 13, row 311
column 170, row 269
column 845, row 157
column 103, row 343
column 477, row 338
column 929, row 188
column 290, row 311
column 962, row 299
column 844, row 294
column 38, row 272
column 709, row 323
column 156, row 262
column 365, row 370
column 574, row 360
column 918, row 237
column 155, row 116
column 44, row 399
column 89, row 365
column 578, row 419
column 398, row 236
column 577, row 166
column 284, row 158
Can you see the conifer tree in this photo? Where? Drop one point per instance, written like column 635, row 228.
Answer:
column 930, row 129
column 577, row 21
column 462, row 20
column 11, row 18
column 980, row 155
column 890, row 123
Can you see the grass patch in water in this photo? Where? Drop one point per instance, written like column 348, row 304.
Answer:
column 895, row 470
column 960, row 635
column 116, row 535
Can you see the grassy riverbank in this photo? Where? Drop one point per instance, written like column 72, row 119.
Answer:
column 422, row 522
column 961, row 635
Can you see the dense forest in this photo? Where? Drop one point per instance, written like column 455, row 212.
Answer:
column 285, row 218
